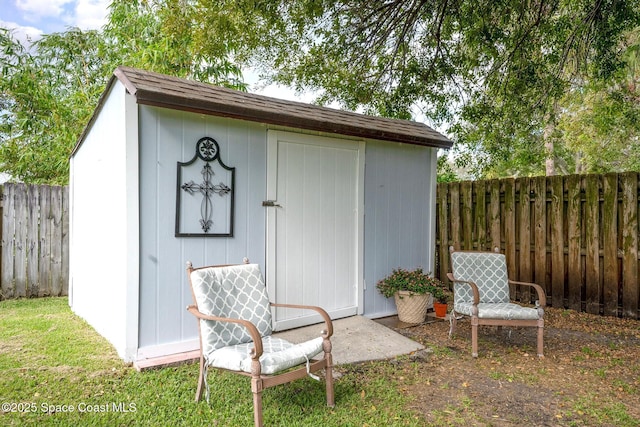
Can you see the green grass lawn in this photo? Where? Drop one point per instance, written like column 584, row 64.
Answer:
column 56, row 370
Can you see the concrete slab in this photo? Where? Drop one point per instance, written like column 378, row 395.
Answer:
column 357, row 339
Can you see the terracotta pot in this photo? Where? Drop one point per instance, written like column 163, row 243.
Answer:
column 440, row 309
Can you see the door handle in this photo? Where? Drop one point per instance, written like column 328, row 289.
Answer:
column 271, row 203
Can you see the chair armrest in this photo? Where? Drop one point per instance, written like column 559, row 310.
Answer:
column 474, row 288
column 251, row 328
column 542, row 298
column 328, row 331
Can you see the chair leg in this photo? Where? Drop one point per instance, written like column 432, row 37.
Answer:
column 328, row 378
column 474, row 337
column 453, row 319
column 256, row 389
column 540, row 338
column 201, row 379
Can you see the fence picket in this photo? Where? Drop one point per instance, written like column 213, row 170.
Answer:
column 494, row 213
column 574, row 232
column 592, row 244
column 454, row 195
column 540, row 232
column 523, row 187
column 443, row 227
column 20, row 256
column 45, row 241
column 8, row 242
column 467, row 214
column 33, row 216
column 480, row 215
column 557, row 241
column 509, row 226
column 65, row 241
column 629, row 185
column 55, row 228
column 610, row 244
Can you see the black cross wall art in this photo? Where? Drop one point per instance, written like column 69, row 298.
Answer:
column 204, row 194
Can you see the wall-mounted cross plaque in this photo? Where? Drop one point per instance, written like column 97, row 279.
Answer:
column 198, row 211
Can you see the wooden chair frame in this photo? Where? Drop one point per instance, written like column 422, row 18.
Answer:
column 260, row 382
column 477, row 321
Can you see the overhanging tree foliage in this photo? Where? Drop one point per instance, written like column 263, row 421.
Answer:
column 495, row 71
column 511, row 79
column 49, row 90
column 46, row 99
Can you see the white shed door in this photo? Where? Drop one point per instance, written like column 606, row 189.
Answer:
column 314, row 228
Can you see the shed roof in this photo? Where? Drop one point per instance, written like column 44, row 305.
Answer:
column 165, row 91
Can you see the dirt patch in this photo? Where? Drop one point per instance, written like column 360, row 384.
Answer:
column 590, row 374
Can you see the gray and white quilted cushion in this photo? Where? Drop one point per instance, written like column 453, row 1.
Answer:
column 239, row 292
column 488, row 270
column 278, row 355
column 503, row 310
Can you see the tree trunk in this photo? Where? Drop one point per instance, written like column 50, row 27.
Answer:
column 547, row 135
column 550, row 162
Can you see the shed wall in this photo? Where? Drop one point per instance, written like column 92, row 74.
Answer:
column 399, row 221
column 400, row 184
column 103, row 238
column 168, row 136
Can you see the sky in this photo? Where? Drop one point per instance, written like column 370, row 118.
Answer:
column 32, row 18
column 29, row 19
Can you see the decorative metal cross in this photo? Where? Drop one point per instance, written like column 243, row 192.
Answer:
column 207, row 189
column 208, row 151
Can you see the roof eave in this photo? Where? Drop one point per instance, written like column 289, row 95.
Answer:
column 238, row 111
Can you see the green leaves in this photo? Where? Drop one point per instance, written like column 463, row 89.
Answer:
column 415, row 281
column 509, row 78
column 495, row 71
column 46, row 89
column 49, row 91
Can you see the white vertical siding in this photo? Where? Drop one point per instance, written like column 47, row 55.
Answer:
column 315, row 258
column 168, row 137
column 104, row 224
column 400, row 182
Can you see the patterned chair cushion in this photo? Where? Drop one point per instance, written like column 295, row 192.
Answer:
column 236, row 291
column 506, row 311
column 488, row 270
column 278, row 355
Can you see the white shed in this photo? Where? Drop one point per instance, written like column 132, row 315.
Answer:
column 170, row 170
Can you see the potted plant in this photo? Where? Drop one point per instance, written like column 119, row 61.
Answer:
column 413, row 291
column 441, row 295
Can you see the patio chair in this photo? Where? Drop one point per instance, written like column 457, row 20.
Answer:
column 234, row 313
column 481, row 292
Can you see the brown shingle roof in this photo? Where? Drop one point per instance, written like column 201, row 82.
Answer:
column 179, row 94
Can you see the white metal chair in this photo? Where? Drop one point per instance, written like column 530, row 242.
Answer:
column 481, row 292
column 234, row 313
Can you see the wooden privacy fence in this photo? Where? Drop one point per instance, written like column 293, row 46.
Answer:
column 576, row 236
column 35, row 244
